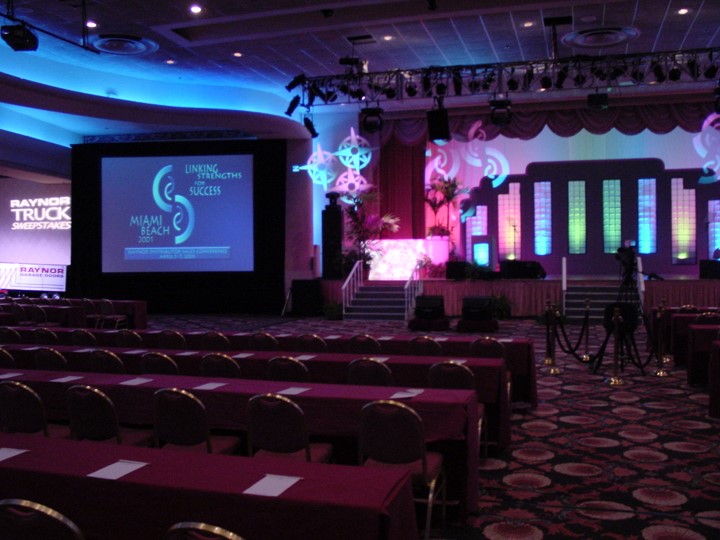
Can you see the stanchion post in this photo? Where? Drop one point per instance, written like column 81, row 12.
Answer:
column 615, row 380
column 661, row 370
column 585, row 359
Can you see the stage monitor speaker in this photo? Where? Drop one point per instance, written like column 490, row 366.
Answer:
column 456, row 270
column 710, row 269
column 629, row 312
column 332, row 235
column 438, row 125
column 307, row 297
column 478, row 308
column 522, row 270
column 429, row 307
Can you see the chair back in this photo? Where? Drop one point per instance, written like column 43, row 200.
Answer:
column 158, row 363
column 22, row 317
column 195, row 530
column 180, row 418
column 425, row 346
column 21, row 409
column 262, row 341
column 92, row 414
column 50, row 359
column 171, row 339
column 128, row 338
column 6, row 359
column 363, row 344
column 311, row 343
column 80, row 336
column 102, row 361
column 45, row 336
column 369, row 372
column 275, row 423
column 37, row 314
column 214, row 341
column 9, row 335
column 450, row 374
column 487, row 347
column 219, row 365
column 710, row 318
column 22, row 519
column 286, row 368
column 391, row 432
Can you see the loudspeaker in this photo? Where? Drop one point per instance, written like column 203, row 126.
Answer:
column 429, row 307
column 522, row 270
column 438, row 126
column 628, row 312
column 455, row 270
column 478, row 308
column 307, row 297
column 332, row 233
column 710, row 269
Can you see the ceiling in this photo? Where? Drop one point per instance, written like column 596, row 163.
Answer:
column 239, row 56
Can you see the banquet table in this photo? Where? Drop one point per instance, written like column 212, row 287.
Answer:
column 74, row 313
column 322, row 502
column 450, row 417
column 66, row 316
column 329, row 368
column 700, row 341
column 714, row 380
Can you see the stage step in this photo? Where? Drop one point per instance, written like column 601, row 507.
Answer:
column 599, row 296
column 380, row 302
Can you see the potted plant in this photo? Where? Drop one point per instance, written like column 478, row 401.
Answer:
column 442, row 193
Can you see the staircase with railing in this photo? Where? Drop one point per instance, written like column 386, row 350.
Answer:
column 378, row 300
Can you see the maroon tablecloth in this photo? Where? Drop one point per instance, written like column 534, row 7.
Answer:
column 450, row 417
column 714, row 380
column 330, row 502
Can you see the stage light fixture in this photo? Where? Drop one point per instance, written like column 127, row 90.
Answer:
column 693, row 68
column 390, row 92
column 474, row 86
column 580, row 79
column 411, row 89
column 674, row 74
column 637, row 74
column 296, row 81
column 561, row 77
column 717, row 100
column 658, row 71
column 426, row 84
column 512, row 84
column 546, row 82
column 711, row 71
column 457, row 82
column 19, row 37
column 310, row 127
column 294, row 102
column 500, row 112
column 528, row 78
column 440, row 89
column 597, row 101
column 371, row 119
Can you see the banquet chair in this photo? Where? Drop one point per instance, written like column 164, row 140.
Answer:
column 6, row 359
column 310, row 343
column 262, row 341
column 219, row 365
column 171, row 339
column 391, row 433
column 22, row 411
column 21, row 519
column 108, row 317
column 9, row 335
column 180, row 421
column 195, row 530
column 40, row 317
column 286, row 368
column 487, row 347
column 276, row 427
column 44, row 336
column 128, row 338
column 50, row 359
column 22, row 316
column 80, row 336
column 93, row 417
column 214, row 341
column 424, row 346
column 158, row 363
column 369, row 372
column 104, row 361
column 93, row 317
column 363, row 344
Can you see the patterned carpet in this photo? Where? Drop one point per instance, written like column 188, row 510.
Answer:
column 636, row 461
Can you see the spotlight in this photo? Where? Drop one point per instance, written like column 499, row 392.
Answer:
column 617, row 71
column 357, row 93
column 426, row 85
column 19, row 37
column 674, row 73
column 711, row 71
column 637, row 74
column 500, row 113
column 528, row 78
column 297, row 80
column 371, row 118
column 390, row 92
column 693, row 68
column 546, row 82
column 513, row 84
column 457, row 82
column 597, row 102
column 598, row 72
column 440, row 89
column 294, row 102
column 310, row 127
column 561, row 76
column 580, row 79
column 658, row 71
column 411, row 89
column 474, row 86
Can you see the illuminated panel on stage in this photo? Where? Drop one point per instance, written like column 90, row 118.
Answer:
column 577, row 218
column 714, row 229
column 612, row 216
column 396, row 259
column 683, row 223
column 647, row 216
column 476, row 225
column 509, row 223
column 543, row 218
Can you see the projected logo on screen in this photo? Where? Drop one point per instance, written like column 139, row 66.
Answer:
column 180, row 208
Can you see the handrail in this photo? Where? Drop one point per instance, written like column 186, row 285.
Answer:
column 352, row 285
column 413, row 287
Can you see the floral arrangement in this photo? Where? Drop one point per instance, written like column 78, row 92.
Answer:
column 442, row 192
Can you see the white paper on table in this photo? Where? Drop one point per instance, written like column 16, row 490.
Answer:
column 137, row 381
column 69, row 378
column 380, row 359
column 136, row 351
column 333, row 336
column 282, row 335
column 10, row 375
column 293, row 391
column 305, row 357
column 241, row 334
column 186, row 353
column 210, row 386
column 441, row 338
column 405, row 394
column 31, row 348
column 272, row 485
column 458, row 360
column 84, row 350
column 385, row 338
column 117, row 469
column 505, row 340
column 243, row 355
column 7, row 453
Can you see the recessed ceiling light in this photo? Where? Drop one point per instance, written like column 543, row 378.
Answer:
column 528, row 24
column 170, row 61
column 237, row 54
column 683, row 11
column 388, row 38
column 91, row 24
column 195, row 9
